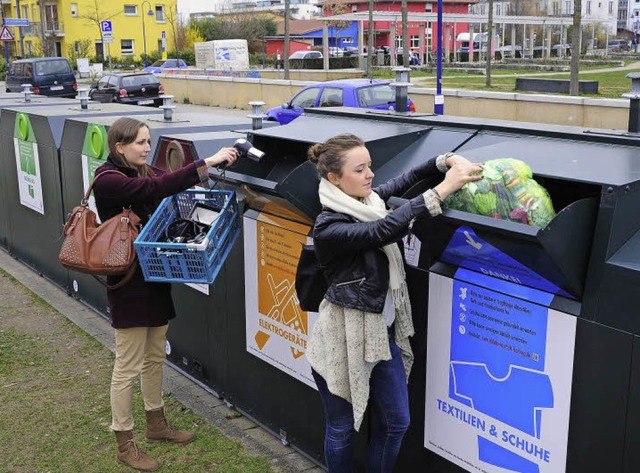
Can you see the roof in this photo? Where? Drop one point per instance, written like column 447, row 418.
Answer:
column 299, row 27
column 349, row 83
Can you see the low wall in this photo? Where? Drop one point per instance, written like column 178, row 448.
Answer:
column 585, row 112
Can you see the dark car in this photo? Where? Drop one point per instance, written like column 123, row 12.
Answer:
column 51, row 76
column 362, row 93
column 133, row 89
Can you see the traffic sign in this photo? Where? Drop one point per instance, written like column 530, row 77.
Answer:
column 6, row 34
column 107, row 31
column 16, row 22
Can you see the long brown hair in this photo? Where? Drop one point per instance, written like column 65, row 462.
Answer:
column 124, row 131
column 328, row 156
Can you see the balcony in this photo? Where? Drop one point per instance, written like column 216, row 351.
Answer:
column 53, row 28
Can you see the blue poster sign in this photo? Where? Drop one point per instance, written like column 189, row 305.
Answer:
column 499, row 375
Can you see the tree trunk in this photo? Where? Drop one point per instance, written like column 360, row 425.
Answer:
column 576, row 37
column 489, row 44
column 287, row 5
column 405, row 35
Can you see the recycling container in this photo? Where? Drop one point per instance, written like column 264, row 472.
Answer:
column 18, row 100
column 31, row 168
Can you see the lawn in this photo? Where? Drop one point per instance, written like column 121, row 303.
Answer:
column 611, row 83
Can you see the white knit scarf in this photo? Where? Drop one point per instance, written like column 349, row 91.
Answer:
column 369, row 209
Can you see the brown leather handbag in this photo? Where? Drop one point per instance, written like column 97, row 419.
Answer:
column 100, row 249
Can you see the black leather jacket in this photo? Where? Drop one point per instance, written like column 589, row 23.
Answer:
column 350, row 252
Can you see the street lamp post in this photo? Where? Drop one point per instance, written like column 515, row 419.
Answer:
column 144, row 32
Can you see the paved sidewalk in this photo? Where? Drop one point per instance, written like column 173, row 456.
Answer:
column 215, row 411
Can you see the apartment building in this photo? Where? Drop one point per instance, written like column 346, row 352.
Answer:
column 55, row 26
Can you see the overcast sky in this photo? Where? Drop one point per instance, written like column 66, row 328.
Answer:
column 189, row 6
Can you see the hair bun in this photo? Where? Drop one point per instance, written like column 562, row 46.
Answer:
column 314, row 152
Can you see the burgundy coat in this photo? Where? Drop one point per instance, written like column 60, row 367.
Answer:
column 139, row 303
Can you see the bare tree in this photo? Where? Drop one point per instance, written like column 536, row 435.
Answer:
column 405, row 34
column 95, row 16
column 287, row 7
column 574, row 82
column 489, row 43
column 173, row 21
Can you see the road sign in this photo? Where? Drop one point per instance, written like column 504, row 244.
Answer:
column 6, row 34
column 16, row 22
column 107, row 31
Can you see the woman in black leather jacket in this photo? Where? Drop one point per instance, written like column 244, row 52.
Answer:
column 359, row 348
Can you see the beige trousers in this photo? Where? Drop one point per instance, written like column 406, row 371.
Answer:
column 140, row 351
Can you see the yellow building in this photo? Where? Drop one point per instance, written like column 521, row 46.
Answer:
column 55, row 26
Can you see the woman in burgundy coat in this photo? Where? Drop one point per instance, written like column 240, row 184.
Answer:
column 140, row 311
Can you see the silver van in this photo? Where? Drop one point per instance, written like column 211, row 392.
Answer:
column 52, row 76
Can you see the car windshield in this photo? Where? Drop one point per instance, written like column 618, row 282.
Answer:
column 157, row 64
column 375, row 95
column 297, row 55
column 139, row 81
column 45, row 68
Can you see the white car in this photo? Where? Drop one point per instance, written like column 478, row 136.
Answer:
column 306, row 55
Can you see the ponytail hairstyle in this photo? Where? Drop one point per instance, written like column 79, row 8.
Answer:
column 328, row 156
column 125, row 131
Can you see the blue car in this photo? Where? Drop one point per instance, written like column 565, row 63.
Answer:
column 158, row 66
column 362, row 93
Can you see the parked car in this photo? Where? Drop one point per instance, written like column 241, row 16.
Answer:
column 363, row 93
column 306, row 55
column 159, row 65
column 51, row 76
column 618, row 45
column 141, row 88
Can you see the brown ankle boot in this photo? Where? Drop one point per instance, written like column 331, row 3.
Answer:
column 158, row 428
column 130, row 454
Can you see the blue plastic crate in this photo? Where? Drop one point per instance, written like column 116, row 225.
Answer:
column 188, row 262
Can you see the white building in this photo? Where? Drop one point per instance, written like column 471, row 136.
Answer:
column 300, row 9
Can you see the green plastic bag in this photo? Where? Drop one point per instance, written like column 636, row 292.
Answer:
column 508, row 191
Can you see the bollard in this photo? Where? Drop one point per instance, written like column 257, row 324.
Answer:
column 401, row 85
column 256, row 114
column 634, row 102
column 83, row 96
column 167, row 107
column 26, row 90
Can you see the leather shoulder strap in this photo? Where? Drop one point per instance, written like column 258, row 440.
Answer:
column 108, row 171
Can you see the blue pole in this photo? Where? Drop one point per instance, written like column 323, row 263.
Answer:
column 438, row 102
column 6, row 47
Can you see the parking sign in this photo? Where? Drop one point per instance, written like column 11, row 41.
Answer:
column 107, row 31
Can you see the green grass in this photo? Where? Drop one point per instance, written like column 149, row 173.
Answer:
column 54, row 398
column 611, row 84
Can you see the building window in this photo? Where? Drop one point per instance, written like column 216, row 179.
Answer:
column 588, row 9
column 131, row 9
column 160, row 13
column 25, row 11
column 499, row 9
column 428, row 8
column 29, row 46
column 76, row 46
column 126, row 47
column 567, row 8
column 556, row 8
column 414, row 41
column 74, row 9
column 610, row 8
column 354, row 8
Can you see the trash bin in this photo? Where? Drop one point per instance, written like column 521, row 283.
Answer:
column 80, row 159
column 31, row 167
column 18, row 100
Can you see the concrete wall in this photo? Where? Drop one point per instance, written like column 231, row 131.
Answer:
column 585, row 112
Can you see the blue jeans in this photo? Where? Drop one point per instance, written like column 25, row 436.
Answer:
column 390, row 401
